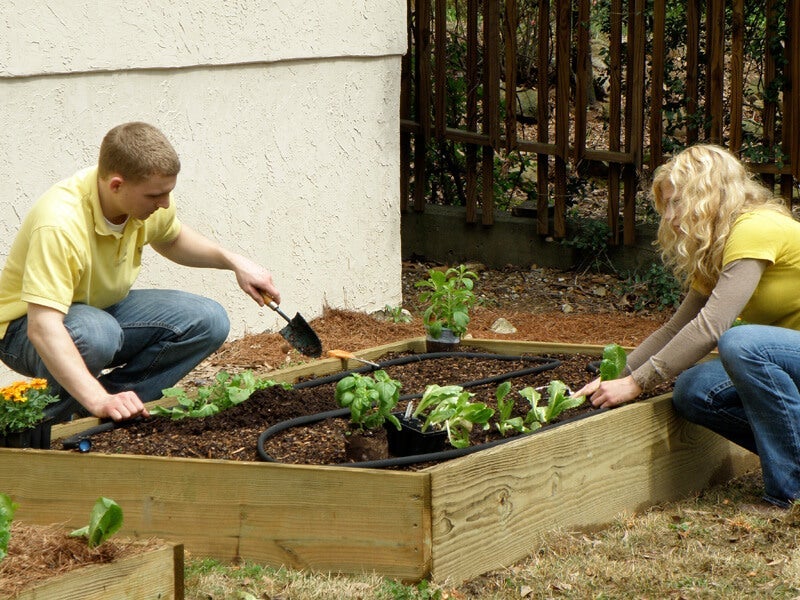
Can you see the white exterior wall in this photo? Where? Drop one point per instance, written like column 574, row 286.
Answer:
column 285, row 116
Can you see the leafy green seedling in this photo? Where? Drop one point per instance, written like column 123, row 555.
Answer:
column 105, row 521
column 613, row 363
column 505, row 422
column 7, row 510
column 370, row 401
column 451, row 408
column 448, row 297
column 558, row 400
column 227, row 391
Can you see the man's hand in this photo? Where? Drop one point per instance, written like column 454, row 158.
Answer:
column 118, row 407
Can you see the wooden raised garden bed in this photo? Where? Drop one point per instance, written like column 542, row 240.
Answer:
column 153, row 573
column 453, row 520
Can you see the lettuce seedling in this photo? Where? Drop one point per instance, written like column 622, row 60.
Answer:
column 227, row 391
column 105, row 521
column 7, row 510
column 613, row 363
column 558, row 400
column 370, row 401
column 505, row 422
column 451, row 408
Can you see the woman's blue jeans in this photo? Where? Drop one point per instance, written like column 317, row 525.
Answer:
column 751, row 397
column 145, row 343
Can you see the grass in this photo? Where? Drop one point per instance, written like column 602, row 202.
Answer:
column 719, row 544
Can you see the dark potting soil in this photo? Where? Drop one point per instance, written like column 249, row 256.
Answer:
column 233, row 434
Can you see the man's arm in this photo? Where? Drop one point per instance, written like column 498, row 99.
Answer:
column 192, row 249
column 52, row 341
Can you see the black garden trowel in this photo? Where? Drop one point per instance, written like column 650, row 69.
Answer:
column 298, row 332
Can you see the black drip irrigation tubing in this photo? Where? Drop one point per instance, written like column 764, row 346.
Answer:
column 545, row 364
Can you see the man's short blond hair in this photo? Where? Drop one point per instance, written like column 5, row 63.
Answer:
column 137, row 151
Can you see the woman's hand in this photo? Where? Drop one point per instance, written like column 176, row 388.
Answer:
column 607, row 394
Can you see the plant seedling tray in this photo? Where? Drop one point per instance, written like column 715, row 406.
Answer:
column 451, row 521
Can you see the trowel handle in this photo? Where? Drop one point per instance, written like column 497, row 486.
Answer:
column 271, row 303
column 268, row 299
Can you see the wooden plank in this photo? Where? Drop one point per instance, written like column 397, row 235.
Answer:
column 543, row 117
column 440, row 68
column 422, row 81
column 582, row 80
column 510, row 34
column 716, row 52
column 657, row 83
column 692, row 70
column 154, row 574
column 320, row 518
column 737, row 76
column 489, row 507
column 472, row 110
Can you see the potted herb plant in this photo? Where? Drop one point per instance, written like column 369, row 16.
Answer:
column 22, row 420
column 448, row 296
column 371, row 399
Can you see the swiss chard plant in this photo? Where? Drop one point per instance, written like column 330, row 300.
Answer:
column 558, row 400
column 450, row 407
column 104, row 521
column 370, row 399
column 226, row 391
column 7, row 510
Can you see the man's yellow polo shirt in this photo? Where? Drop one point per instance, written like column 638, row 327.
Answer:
column 65, row 253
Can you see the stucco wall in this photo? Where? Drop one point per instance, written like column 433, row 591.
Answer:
column 285, row 116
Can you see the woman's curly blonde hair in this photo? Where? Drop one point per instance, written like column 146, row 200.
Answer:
column 712, row 188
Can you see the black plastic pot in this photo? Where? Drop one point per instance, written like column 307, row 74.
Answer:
column 411, row 440
column 35, row 437
column 446, row 342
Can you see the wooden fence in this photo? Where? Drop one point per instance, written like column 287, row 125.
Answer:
column 472, row 48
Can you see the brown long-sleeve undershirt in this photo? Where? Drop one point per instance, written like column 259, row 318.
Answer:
column 695, row 328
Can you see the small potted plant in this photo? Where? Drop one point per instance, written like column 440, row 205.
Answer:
column 449, row 408
column 449, row 296
column 22, row 420
column 371, row 400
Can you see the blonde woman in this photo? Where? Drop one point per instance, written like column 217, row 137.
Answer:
column 737, row 248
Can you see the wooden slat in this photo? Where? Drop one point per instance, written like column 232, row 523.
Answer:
column 716, row 52
column 692, row 70
column 405, row 114
column 440, row 68
column 491, row 508
column 657, row 83
column 543, row 117
column 422, row 83
column 157, row 573
column 792, row 118
column 736, row 76
column 583, row 79
column 472, row 110
column 297, row 516
column 510, row 63
column 615, row 116
column 491, row 105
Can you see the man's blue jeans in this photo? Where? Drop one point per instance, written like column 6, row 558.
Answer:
column 750, row 396
column 148, row 341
